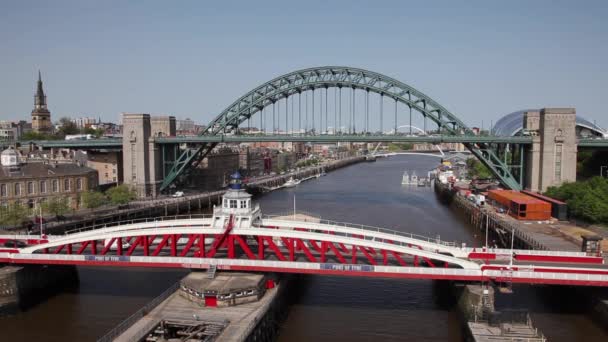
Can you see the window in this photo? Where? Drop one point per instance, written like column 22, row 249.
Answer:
column 30, row 188
column 66, row 185
column 42, row 187
column 243, row 204
column 225, row 203
column 55, row 185
column 558, row 162
column 3, row 190
column 79, row 184
column 17, row 189
column 233, row 204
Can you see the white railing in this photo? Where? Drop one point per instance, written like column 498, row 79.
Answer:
column 436, row 240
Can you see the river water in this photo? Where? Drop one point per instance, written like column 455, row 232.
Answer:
column 325, row 308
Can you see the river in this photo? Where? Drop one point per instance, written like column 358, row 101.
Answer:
column 325, row 307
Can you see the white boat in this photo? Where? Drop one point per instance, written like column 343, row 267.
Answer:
column 291, row 183
column 414, row 178
column 405, row 180
column 409, row 179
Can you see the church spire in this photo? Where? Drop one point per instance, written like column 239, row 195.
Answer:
column 40, row 98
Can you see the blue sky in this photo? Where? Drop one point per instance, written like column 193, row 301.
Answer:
column 479, row 59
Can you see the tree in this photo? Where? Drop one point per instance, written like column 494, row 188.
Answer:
column 587, row 200
column 121, row 194
column 93, row 199
column 13, row 214
column 67, row 127
column 31, row 135
column 57, row 206
column 477, row 170
column 96, row 132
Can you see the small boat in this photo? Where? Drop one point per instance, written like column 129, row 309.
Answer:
column 291, row 183
column 405, row 180
column 414, row 178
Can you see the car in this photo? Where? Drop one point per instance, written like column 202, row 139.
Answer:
column 178, row 194
column 14, row 244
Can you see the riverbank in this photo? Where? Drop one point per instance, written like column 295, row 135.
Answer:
column 551, row 235
column 184, row 205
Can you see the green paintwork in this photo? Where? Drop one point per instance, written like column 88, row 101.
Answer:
column 335, row 76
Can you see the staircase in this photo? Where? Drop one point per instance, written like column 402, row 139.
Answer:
column 211, row 271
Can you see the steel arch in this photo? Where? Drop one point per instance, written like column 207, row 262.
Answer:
column 295, row 82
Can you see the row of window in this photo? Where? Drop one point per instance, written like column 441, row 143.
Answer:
column 30, row 187
column 233, row 204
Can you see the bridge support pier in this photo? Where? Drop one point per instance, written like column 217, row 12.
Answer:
column 551, row 158
column 25, row 286
column 143, row 162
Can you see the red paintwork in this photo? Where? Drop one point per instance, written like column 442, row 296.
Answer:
column 562, row 259
column 323, row 272
column 211, row 301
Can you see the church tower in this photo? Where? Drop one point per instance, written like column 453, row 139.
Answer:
column 41, row 117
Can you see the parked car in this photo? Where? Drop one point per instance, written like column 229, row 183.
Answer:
column 178, row 194
column 14, row 244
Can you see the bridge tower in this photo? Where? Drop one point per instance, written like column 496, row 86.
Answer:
column 551, row 158
column 142, row 166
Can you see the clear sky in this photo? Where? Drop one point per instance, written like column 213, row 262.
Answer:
column 479, row 59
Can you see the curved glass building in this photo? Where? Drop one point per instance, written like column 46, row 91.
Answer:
column 512, row 124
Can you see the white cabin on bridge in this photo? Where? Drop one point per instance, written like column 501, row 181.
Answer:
column 236, row 202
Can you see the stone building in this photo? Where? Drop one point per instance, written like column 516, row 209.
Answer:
column 30, row 184
column 107, row 164
column 41, row 116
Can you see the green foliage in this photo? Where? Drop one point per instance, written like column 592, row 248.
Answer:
column 13, row 214
column 587, row 200
column 392, row 147
column 93, row 199
column 589, row 163
column 67, row 127
column 307, row 162
column 477, row 170
column 31, row 135
column 57, row 205
column 96, row 132
column 121, row 194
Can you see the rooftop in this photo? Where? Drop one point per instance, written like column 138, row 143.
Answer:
column 512, row 124
column 41, row 170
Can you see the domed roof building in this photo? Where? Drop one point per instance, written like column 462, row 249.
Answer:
column 512, row 125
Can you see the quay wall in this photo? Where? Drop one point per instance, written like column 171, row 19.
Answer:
column 499, row 229
column 187, row 204
column 24, row 286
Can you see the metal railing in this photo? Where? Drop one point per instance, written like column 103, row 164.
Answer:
column 436, row 240
column 139, row 314
column 139, row 220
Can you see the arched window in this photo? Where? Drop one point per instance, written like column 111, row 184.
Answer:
column 42, row 187
column 66, row 184
column 17, row 189
column 79, row 184
column 55, row 185
column 3, row 190
column 30, row 188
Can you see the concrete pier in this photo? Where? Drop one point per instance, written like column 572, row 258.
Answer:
column 484, row 324
column 25, row 286
column 251, row 320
